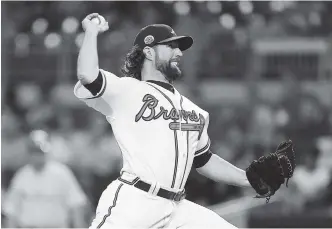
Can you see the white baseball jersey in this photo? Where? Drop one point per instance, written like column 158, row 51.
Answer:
column 159, row 132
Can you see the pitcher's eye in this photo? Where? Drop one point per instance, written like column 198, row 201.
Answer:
column 173, row 44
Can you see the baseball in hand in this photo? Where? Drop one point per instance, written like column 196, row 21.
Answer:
column 95, row 22
column 98, row 19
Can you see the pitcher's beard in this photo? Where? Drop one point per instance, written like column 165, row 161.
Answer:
column 170, row 72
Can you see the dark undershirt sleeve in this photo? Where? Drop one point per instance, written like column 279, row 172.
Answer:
column 96, row 86
column 202, row 159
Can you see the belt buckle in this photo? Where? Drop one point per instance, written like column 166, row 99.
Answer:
column 179, row 196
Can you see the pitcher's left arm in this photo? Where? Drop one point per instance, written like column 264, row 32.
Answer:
column 211, row 165
column 220, row 170
column 264, row 175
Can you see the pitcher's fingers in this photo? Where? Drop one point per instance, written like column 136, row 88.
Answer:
column 107, row 26
column 263, row 196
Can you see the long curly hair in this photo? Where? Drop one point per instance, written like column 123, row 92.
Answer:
column 133, row 63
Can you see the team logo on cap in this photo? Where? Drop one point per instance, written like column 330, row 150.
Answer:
column 148, row 39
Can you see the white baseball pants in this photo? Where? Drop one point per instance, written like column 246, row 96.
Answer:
column 125, row 206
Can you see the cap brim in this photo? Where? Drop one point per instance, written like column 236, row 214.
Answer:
column 185, row 42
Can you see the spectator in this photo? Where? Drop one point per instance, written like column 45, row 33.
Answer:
column 43, row 193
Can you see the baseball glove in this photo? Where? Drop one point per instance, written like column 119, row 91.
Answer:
column 268, row 173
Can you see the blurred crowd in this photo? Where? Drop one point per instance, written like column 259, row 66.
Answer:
column 39, row 51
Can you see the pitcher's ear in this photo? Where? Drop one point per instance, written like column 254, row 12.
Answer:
column 148, row 52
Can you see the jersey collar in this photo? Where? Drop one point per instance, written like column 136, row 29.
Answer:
column 167, row 86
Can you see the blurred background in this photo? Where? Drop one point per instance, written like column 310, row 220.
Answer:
column 263, row 70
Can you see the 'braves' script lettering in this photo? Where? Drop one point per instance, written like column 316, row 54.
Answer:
column 150, row 104
column 149, row 112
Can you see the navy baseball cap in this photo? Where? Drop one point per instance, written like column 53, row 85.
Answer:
column 160, row 33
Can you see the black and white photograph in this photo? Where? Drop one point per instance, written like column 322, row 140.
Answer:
column 166, row 114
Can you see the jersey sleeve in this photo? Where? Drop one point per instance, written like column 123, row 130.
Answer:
column 100, row 99
column 203, row 153
column 204, row 142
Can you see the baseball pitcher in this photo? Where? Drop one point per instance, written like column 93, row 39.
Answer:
column 161, row 134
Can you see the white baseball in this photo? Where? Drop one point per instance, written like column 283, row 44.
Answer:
column 98, row 19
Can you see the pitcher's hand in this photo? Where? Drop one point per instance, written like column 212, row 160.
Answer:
column 91, row 26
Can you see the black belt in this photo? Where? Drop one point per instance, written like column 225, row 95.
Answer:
column 175, row 196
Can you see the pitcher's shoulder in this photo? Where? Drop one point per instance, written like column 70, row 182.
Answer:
column 130, row 81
